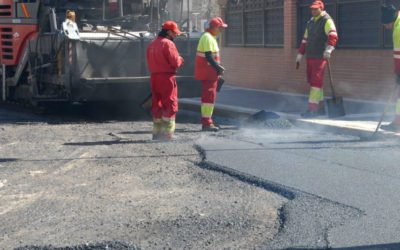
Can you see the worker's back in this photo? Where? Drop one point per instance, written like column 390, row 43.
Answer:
column 162, row 56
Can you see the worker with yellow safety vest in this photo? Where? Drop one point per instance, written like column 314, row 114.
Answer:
column 318, row 43
column 208, row 69
column 391, row 20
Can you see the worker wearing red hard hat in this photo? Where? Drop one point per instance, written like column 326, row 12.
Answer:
column 208, row 69
column 319, row 41
column 163, row 60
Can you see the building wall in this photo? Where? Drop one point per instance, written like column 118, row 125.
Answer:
column 357, row 73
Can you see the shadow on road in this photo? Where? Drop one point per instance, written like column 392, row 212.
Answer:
column 299, row 148
column 69, row 113
column 320, row 142
column 105, row 158
column 114, row 142
column 149, row 132
column 7, row 160
column 391, row 246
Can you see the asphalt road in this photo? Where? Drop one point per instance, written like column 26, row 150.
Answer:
column 342, row 192
column 360, row 179
column 74, row 182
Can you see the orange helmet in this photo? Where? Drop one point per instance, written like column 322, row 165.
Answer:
column 171, row 25
column 218, row 22
column 317, row 5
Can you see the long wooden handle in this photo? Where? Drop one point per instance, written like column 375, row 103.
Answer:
column 331, row 80
column 392, row 95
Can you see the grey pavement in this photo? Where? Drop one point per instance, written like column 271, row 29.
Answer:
column 339, row 168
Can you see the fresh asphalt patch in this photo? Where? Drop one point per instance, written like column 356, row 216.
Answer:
column 305, row 219
column 358, row 179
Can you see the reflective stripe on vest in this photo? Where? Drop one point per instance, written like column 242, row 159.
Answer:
column 316, row 95
column 207, row 110
column 201, row 54
column 216, row 56
column 168, row 125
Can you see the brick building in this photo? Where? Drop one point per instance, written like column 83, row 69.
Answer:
column 260, row 46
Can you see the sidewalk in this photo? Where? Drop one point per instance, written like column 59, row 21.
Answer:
column 284, row 102
column 240, row 103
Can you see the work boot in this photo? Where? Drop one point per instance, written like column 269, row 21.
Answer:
column 165, row 137
column 310, row 114
column 392, row 127
column 157, row 137
column 210, row 128
column 157, row 129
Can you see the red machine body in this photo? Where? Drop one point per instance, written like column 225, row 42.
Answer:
column 17, row 26
column 104, row 62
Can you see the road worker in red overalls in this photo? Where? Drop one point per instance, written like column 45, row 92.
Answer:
column 163, row 61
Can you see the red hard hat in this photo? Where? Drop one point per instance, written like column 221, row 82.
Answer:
column 171, row 25
column 218, row 22
column 317, row 5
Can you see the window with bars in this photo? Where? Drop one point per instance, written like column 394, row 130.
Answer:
column 358, row 22
column 255, row 23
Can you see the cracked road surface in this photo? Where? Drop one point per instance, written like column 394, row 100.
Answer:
column 72, row 183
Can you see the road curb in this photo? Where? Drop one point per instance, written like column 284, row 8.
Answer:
column 240, row 113
column 226, row 111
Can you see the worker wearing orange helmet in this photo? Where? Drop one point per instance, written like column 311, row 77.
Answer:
column 163, row 60
column 319, row 41
column 208, row 69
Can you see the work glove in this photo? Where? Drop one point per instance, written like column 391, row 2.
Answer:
column 220, row 70
column 220, row 82
column 328, row 51
column 298, row 60
column 398, row 79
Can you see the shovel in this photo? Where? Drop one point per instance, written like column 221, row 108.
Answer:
column 147, row 103
column 374, row 136
column 335, row 105
column 385, row 110
column 221, row 82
